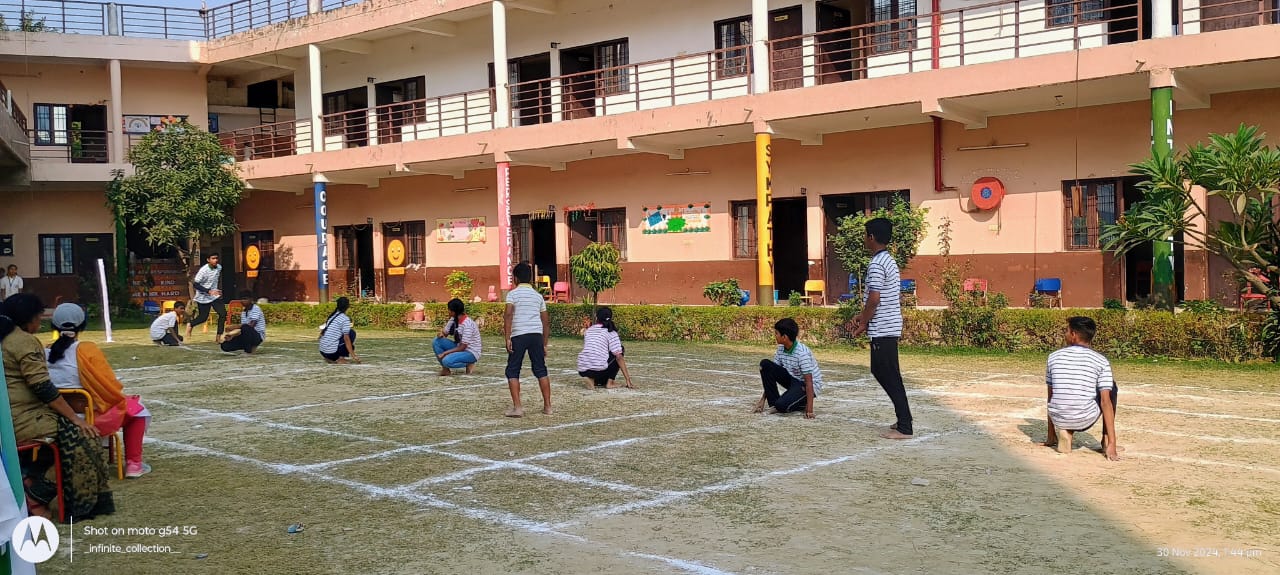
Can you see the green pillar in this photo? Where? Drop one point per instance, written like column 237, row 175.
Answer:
column 1163, row 292
column 122, row 250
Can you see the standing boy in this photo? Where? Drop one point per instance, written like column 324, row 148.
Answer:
column 164, row 330
column 794, row 368
column 253, row 327
column 881, row 319
column 208, row 295
column 1081, row 390
column 527, row 327
column 11, row 283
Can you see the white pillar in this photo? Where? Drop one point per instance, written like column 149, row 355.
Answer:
column 557, row 87
column 760, row 46
column 115, row 120
column 371, row 118
column 502, row 93
column 315, row 6
column 315, row 96
column 809, row 17
column 1161, row 18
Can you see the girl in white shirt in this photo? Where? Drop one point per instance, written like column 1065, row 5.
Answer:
column 602, row 352
column 458, row 345
column 337, row 339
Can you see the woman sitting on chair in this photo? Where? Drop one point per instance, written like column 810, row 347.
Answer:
column 75, row 364
column 39, row 412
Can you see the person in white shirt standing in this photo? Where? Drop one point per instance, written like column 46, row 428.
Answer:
column 881, row 320
column 527, row 326
column 458, row 346
column 11, row 283
column 253, row 327
column 602, row 353
column 207, row 284
column 1082, row 390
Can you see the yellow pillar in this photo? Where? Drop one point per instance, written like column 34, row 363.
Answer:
column 764, row 218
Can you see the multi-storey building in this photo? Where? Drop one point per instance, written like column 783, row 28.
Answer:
column 708, row 139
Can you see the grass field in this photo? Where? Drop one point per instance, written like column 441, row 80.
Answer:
column 392, row 469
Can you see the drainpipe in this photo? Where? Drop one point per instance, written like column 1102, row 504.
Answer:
column 935, row 54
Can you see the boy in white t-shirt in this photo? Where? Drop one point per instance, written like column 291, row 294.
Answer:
column 1082, row 390
column 527, row 327
column 11, row 283
column 164, row 330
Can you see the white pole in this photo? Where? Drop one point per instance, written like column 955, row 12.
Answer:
column 106, row 305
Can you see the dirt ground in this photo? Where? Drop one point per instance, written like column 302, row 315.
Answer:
column 392, row 469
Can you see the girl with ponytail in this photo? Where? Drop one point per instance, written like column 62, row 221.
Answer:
column 458, row 345
column 602, row 352
column 337, row 338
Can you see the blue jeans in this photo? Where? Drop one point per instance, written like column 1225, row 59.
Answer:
column 457, row 360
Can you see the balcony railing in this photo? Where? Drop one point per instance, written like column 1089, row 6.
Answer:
column 71, row 146
column 408, row 121
column 1199, row 18
column 100, row 19
column 13, row 109
column 970, row 35
column 268, row 140
column 645, row 86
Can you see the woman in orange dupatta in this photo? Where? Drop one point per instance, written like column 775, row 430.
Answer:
column 74, row 364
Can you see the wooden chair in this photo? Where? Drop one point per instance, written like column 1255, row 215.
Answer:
column 34, row 447
column 1050, row 288
column 815, row 289
column 977, row 285
column 1247, row 296
column 560, row 292
column 82, row 403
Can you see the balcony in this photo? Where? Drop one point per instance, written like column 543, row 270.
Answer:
column 102, row 19
column 15, row 148
column 75, row 155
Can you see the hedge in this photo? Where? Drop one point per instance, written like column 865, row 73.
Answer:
column 1226, row 336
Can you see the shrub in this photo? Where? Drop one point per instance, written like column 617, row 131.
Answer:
column 596, row 268
column 460, row 285
column 1203, row 307
column 725, row 293
column 909, row 229
column 1112, row 303
column 795, row 299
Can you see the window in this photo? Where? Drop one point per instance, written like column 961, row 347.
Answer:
column 612, row 58
column 883, row 200
column 57, row 256
column 521, row 242
column 1088, row 207
column 344, row 247
column 51, row 124
column 1070, row 12
column 416, row 242
column 733, row 45
column 896, row 26
column 744, row 228
column 266, row 244
column 613, row 228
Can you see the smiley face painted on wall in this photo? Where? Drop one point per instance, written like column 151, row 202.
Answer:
column 395, row 253
column 252, row 257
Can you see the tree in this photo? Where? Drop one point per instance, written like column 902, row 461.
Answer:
column 1239, row 169
column 596, row 268
column 28, row 22
column 184, row 186
column 909, row 229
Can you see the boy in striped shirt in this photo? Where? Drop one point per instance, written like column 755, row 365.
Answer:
column 794, row 368
column 253, row 327
column 881, row 320
column 1081, row 390
column 526, row 325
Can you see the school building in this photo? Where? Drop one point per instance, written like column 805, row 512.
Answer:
column 382, row 148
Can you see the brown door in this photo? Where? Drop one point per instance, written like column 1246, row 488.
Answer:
column 583, row 230
column 1231, row 14
column 394, row 257
column 786, row 57
column 835, row 49
column 579, row 88
column 88, row 248
column 398, row 105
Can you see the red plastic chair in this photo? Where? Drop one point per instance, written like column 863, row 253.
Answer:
column 34, row 447
column 1248, row 294
column 560, row 292
column 976, row 285
column 493, row 294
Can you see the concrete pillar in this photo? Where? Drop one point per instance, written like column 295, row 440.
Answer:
column 1161, row 18
column 113, row 19
column 1164, row 293
column 371, row 119
column 115, row 118
column 764, row 217
column 315, row 6
column 557, row 87
column 504, row 226
column 760, row 46
column 315, row 96
column 502, row 93
column 321, row 195
column 809, row 48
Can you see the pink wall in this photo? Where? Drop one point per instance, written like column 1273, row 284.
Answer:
column 32, row 212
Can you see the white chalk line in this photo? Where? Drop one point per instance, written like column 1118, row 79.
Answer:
column 371, row 398
column 939, row 392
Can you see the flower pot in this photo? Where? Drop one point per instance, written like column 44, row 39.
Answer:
column 417, row 315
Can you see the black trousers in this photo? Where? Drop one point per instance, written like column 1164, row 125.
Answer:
column 602, row 377
column 247, row 341
column 1097, row 398
column 884, row 366
column 170, row 339
column 342, row 348
column 203, row 314
column 793, row 398
column 530, row 343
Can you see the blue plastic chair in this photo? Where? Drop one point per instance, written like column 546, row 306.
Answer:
column 909, row 286
column 1051, row 287
column 746, row 297
column 853, row 289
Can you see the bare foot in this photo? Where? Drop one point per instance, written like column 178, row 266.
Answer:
column 1064, row 442
column 342, row 361
column 893, row 434
column 546, row 410
column 470, row 368
column 515, row 412
column 589, row 383
column 445, row 371
column 612, row 384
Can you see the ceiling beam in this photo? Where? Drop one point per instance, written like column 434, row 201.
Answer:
column 433, row 28
column 405, row 170
column 363, row 47
column 972, row 118
column 276, row 61
column 629, row 144
column 260, row 75
column 805, row 138
column 1188, row 94
column 535, row 6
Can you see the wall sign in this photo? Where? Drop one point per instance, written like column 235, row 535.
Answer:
column 6, row 245
column 460, row 230
column 144, row 124
column 677, row 219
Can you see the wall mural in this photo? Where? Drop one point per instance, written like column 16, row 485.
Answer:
column 460, row 230
column 677, row 219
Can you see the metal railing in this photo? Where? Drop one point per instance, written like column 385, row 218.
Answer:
column 1198, row 18
column 267, row 141
column 71, row 146
column 244, row 15
column 970, row 35
column 661, row 83
column 13, row 108
column 448, row 115
column 161, row 22
column 106, row 18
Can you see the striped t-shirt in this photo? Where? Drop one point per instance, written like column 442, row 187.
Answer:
column 207, row 278
column 798, row 362
column 528, row 313
column 254, row 314
column 1076, row 375
column 883, row 278
column 162, row 324
column 337, row 327
column 470, row 334
column 598, row 344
